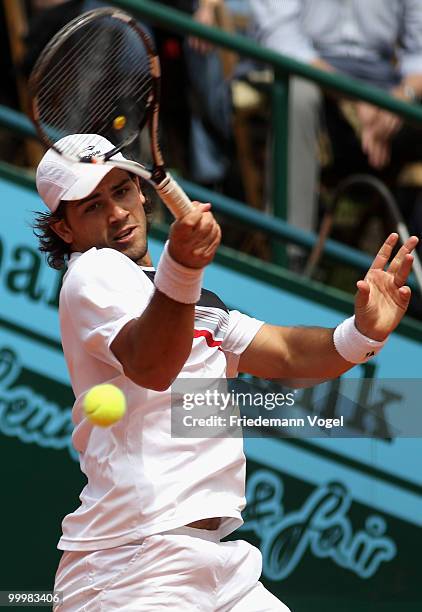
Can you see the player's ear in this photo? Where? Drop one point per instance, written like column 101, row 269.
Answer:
column 62, row 229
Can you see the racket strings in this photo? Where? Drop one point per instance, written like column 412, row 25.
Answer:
column 139, row 83
column 68, row 95
column 99, row 73
column 57, row 90
column 74, row 76
column 62, row 59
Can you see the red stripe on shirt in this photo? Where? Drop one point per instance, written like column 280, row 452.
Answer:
column 204, row 333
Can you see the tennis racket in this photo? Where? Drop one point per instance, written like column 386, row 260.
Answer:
column 100, row 74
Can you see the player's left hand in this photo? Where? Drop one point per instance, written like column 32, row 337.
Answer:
column 383, row 296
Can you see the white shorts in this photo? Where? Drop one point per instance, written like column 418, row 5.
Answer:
column 184, row 569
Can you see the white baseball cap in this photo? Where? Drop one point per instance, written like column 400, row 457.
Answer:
column 59, row 179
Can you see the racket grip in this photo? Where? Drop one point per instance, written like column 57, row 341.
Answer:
column 174, row 197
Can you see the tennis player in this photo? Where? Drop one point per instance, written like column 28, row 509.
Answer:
column 147, row 534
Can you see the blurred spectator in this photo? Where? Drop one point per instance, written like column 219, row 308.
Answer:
column 375, row 41
column 210, row 135
column 211, row 128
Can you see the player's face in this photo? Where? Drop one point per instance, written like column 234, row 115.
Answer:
column 112, row 216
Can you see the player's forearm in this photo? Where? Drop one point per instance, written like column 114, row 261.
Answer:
column 298, row 355
column 154, row 348
column 311, row 354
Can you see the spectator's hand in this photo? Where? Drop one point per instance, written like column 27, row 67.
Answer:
column 382, row 124
column 366, row 114
column 321, row 64
column 387, row 125
column 383, row 297
column 205, row 14
column 194, row 239
column 377, row 150
column 377, row 128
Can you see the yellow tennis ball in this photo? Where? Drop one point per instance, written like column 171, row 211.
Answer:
column 119, row 122
column 104, row 405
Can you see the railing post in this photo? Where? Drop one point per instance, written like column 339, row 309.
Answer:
column 280, row 155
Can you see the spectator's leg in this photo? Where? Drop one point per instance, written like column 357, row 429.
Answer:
column 211, row 126
column 304, row 123
column 210, row 88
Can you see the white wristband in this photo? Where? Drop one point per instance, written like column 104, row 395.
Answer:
column 178, row 282
column 354, row 346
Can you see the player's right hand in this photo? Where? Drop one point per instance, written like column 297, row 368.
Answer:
column 194, row 239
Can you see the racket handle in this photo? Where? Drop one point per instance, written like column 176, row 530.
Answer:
column 174, row 197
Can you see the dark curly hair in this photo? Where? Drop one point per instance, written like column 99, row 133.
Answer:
column 57, row 250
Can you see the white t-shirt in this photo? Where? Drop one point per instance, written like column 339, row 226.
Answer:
column 140, row 479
